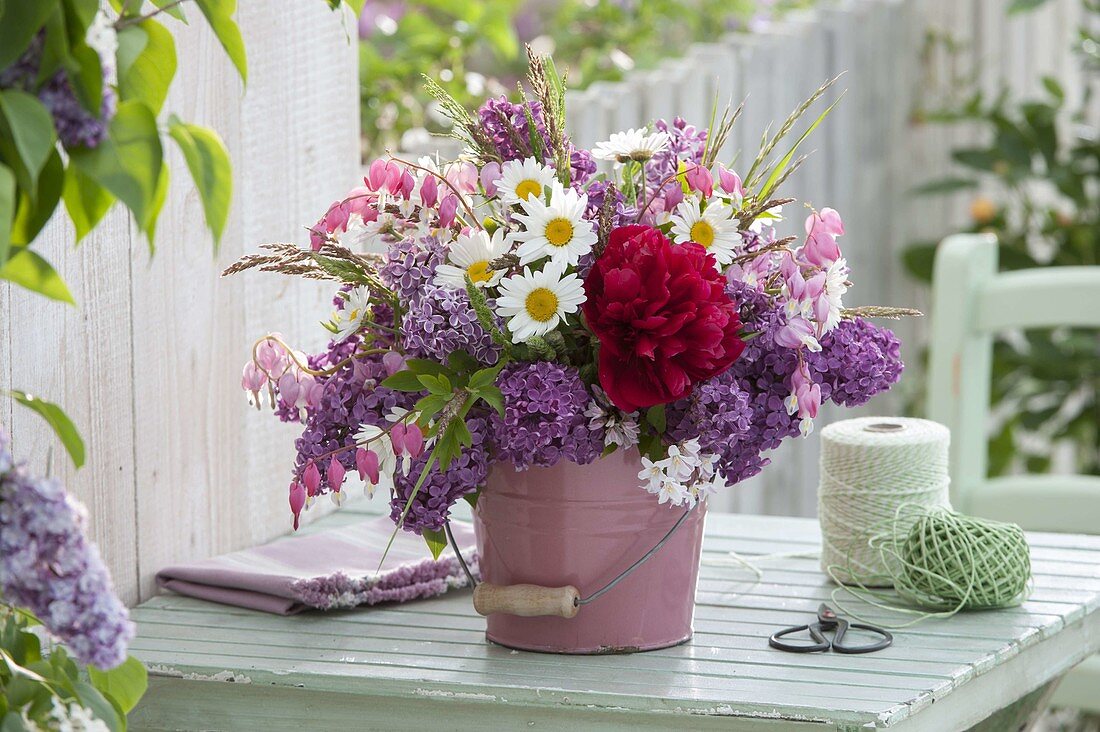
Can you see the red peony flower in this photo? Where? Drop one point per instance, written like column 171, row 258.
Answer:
column 662, row 316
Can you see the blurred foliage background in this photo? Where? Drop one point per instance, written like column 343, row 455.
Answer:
column 475, row 48
column 1036, row 185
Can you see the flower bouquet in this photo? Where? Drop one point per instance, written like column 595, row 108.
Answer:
column 584, row 354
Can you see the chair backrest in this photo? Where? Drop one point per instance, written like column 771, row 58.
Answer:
column 971, row 302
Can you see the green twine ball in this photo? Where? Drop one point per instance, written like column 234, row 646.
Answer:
column 952, row 561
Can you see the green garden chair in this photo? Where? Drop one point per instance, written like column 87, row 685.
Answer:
column 971, row 302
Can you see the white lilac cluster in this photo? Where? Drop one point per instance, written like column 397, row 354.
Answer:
column 685, row 477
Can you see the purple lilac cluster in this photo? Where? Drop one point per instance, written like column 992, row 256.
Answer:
column 349, row 398
column 410, row 266
column 597, row 195
column 442, row 488
column 544, row 416
column 48, row 566
column 76, row 126
column 442, row 322
column 506, row 124
column 857, row 361
column 685, row 142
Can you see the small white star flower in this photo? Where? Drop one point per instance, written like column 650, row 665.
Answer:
column 521, row 181
column 713, row 228
column 536, row 302
column 558, row 229
column 471, row 255
column 356, row 310
column 631, row 145
column 836, row 285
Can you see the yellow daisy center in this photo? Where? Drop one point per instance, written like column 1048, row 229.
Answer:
column 541, row 304
column 559, row 232
column 353, row 314
column 702, row 233
column 527, row 188
column 479, row 271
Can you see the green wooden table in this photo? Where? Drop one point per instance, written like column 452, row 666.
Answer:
column 426, row 665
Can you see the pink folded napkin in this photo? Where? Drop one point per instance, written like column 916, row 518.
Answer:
column 327, row 570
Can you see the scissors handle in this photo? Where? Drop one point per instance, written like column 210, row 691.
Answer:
column 842, row 628
column 821, row 643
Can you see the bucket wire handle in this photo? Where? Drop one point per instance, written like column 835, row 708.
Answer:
column 534, row 600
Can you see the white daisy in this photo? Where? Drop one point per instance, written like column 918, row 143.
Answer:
column 558, row 229
column 520, row 181
column 836, row 285
column 714, row 229
column 470, row 255
column 356, row 309
column 631, row 145
column 537, row 302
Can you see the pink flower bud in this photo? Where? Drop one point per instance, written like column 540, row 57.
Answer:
column 377, row 174
column 297, row 501
column 408, row 182
column 490, row 174
column 414, row 440
column 366, row 462
column 429, row 191
column 335, row 474
column 674, row 194
column 271, row 356
column 447, row 210
column 312, row 479
column 699, row 179
column 397, row 437
column 393, row 362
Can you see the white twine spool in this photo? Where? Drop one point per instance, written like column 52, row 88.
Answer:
column 869, row 467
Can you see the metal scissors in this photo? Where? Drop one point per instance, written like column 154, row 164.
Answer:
column 827, row 620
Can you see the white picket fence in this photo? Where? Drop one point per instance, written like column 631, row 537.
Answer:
column 148, row 365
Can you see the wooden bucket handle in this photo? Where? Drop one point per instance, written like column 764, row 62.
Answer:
column 527, row 600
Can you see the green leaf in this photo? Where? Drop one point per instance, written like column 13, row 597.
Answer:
column 436, row 541
column 945, row 185
column 148, row 74
column 59, row 421
column 918, row 260
column 128, row 162
column 438, row 385
column 403, row 381
column 786, row 159
column 1023, row 6
column 7, row 211
column 172, row 8
column 219, row 14
column 484, row 377
column 125, row 684
column 430, row 405
column 471, row 498
column 208, row 161
column 34, row 211
column 1054, row 88
column 101, row 708
column 19, row 22
column 424, row 366
column 656, row 417
column 31, row 128
column 492, row 396
column 85, row 200
column 27, row 269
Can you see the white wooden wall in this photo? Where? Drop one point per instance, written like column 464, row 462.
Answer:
column 149, row 364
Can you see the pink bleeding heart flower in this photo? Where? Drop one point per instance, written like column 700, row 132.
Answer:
column 673, row 195
column 297, row 501
column 463, row 176
column 271, row 356
column 822, row 228
column 393, row 362
column 797, row 333
column 289, row 390
column 805, row 398
column 429, row 191
column 377, row 174
column 366, row 462
column 335, row 474
column 699, row 179
column 414, row 440
column 397, row 438
column 730, row 182
column 252, row 378
column 311, row 477
column 408, row 183
column 306, row 390
column 447, row 210
column 490, row 174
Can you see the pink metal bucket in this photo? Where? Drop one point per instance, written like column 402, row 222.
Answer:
column 582, row 525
